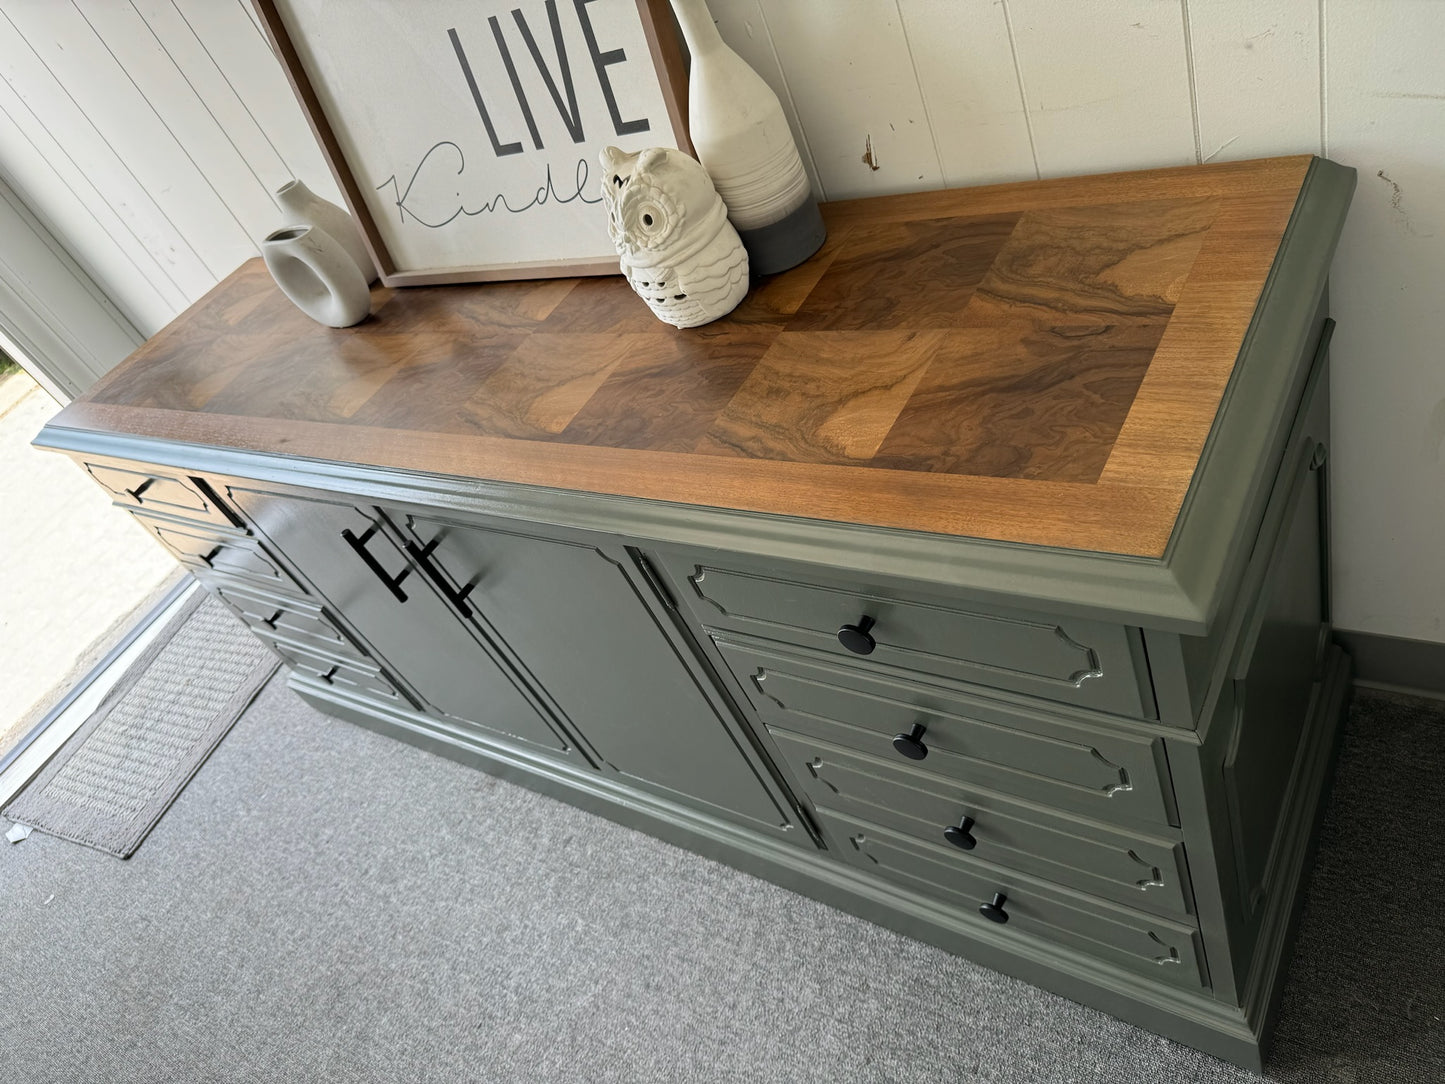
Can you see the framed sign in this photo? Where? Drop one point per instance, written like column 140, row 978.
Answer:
column 465, row 133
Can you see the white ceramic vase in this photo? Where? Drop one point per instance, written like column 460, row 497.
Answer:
column 303, row 207
column 316, row 272
column 677, row 247
column 741, row 136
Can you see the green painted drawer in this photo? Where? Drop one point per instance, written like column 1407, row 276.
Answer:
column 1129, row 868
column 352, row 674
column 1011, row 747
column 290, row 618
column 1075, row 661
column 209, row 550
column 1164, row 950
column 176, row 495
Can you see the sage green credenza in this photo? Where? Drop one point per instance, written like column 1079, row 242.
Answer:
column 971, row 577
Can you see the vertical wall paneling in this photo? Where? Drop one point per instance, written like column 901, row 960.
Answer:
column 1256, row 76
column 744, row 27
column 211, row 153
column 964, row 60
column 1386, row 90
column 227, row 57
column 91, row 238
column 50, row 310
column 149, row 137
column 109, row 242
column 852, row 79
column 1107, row 83
column 125, row 146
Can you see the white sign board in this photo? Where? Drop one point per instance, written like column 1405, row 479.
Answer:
column 466, row 132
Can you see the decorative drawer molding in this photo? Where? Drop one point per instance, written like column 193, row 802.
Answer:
column 1164, row 950
column 353, row 674
column 1132, row 868
column 208, row 550
column 1031, row 752
column 170, row 494
column 290, row 618
column 1070, row 660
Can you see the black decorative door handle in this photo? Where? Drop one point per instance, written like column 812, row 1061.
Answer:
column 855, row 637
column 422, row 556
column 993, row 911
column 911, row 744
column 961, row 834
column 358, row 545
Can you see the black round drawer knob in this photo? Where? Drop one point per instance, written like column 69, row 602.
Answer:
column 855, row 637
column 994, row 911
column 911, row 744
column 961, row 834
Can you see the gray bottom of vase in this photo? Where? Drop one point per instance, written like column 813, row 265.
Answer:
column 786, row 242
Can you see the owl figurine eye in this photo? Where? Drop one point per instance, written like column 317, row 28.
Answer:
column 648, row 216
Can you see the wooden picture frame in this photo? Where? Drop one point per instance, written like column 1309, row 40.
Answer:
column 464, row 133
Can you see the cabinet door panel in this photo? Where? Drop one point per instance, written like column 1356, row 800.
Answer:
column 416, row 633
column 577, row 623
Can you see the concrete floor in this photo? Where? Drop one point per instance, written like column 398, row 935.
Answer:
column 76, row 571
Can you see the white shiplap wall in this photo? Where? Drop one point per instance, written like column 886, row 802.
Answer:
column 148, row 136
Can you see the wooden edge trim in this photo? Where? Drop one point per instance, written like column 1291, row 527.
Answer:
column 1174, row 182
column 1105, row 519
column 511, row 272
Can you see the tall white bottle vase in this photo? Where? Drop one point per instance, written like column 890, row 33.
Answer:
column 741, row 135
column 316, row 272
column 303, row 207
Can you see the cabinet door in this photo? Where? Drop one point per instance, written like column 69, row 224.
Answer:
column 577, row 623
column 348, row 558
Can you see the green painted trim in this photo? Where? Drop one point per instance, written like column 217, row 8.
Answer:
column 993, row 573
column 1395, row 663
column 1306, row 804
column 1195, row 1019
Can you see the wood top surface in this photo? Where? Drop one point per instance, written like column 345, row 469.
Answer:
column 1036, row 363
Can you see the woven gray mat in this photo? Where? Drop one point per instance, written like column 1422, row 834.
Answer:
column 112, row 780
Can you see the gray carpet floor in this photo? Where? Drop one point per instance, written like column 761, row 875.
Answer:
column 325, row 904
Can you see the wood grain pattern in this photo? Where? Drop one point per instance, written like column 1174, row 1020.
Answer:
column 911, row 274
column 1099, row 265
column 1037, row 403
column 823, row 397
column 1036, row 363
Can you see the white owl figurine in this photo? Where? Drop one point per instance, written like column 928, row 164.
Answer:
column 671, row 229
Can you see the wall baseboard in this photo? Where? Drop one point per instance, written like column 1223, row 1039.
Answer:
column 1395, row 663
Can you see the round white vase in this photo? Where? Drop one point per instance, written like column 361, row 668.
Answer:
column 316, row 272
column 303, row 207
column 741, row 135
